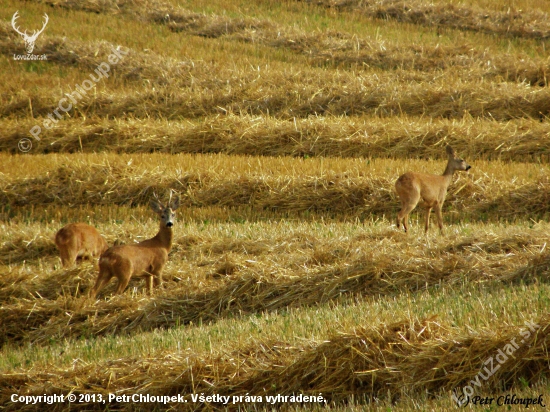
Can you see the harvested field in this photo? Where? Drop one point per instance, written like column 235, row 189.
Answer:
column 361, row 137
column 283, row 127
column 442, row 15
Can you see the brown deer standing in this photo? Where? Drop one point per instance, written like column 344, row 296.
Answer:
column 146, row 258
column 79, row 240
column 432, row 189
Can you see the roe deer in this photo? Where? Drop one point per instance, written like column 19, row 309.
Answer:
column 432, row 189
column 79, row 240
column 146, row 258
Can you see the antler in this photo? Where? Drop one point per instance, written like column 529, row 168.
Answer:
column 15, row 17
column 174, row 201
column 156, row 200
column 36, row 33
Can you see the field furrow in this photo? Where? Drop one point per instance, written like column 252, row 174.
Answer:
column 368, row 360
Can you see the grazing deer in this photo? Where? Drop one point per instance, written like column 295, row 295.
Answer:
column 432, row 189
column 146, row 258
column 29, row 40
column 79, row 240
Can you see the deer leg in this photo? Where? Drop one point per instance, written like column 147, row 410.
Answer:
column 123, row 281
column 439, row 218
column 71, row 253
column 406, row 208
column 102, row 279
column 399, row 217
column 403, row 216
column 65, row 246
column 398, row 221
column 157, row 279
column 427, row 225
column 66, row 258
column 124, row 272
column 150, row 279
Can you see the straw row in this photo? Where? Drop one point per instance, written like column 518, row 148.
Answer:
column 287, row 97
column 401, row 359
column 334, row 193
column 530, row 24
column 134, row 67
column 522, row 140
column 325, row 276
column 346, row 94
column 347, row 50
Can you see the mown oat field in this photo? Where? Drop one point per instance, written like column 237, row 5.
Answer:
column 283, row 127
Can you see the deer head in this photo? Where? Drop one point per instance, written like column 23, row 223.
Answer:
column 455, row 163
column 29, row 40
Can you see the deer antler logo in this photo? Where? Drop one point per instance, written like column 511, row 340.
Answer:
column 29, row 40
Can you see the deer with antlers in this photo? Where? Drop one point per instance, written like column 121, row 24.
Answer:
column 29, row 40
column 412, row 187
column 146, row 258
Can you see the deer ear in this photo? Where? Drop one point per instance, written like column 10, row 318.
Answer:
column 450, row 151
column 175, row 203
column 156, row 206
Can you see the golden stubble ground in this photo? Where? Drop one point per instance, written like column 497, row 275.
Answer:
column 283, row 127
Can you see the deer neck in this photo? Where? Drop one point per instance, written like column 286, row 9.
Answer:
column 164, row 237
column 448, row 173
